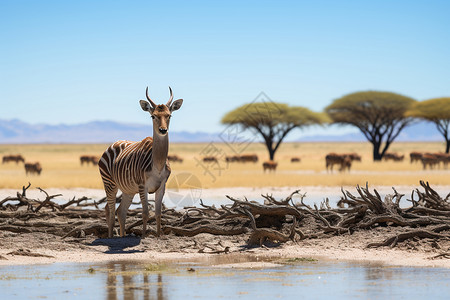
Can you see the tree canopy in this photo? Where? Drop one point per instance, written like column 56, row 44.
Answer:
column 380, row 116
column 273, row 121
column 436, row 110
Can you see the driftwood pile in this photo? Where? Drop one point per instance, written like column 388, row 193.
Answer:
column 270, row 223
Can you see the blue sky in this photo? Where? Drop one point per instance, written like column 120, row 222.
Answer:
column 77, row 61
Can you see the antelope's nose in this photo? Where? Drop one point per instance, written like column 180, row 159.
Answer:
column 162, row 130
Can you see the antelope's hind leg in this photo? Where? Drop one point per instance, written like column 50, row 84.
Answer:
column 122, row 211
column 110, row 210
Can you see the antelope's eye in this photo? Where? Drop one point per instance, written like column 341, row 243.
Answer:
column 169, row 117
column 153, row 117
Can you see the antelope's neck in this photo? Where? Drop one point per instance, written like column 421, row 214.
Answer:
column 160, row 150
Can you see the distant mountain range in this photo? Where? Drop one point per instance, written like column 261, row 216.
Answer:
column 19, row 132
column 16, row 131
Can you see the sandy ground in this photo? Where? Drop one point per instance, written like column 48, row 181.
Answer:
column 333, row 249
column 336, row 248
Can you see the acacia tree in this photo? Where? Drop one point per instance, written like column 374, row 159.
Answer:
column 435, row 110
column 273, row 121
column 380, row 116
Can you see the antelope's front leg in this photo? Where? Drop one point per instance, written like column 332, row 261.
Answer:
column 159, row 194
column 143, row 195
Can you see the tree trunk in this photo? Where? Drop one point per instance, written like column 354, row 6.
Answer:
column 376, row 151
column 447, row 147
column 271, row 153
column 268, row 141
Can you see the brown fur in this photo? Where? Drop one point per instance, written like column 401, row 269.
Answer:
column 295, row 159
column 393, row 156
column 415, row 156
column 430, row 160
column 16, row 158
column 209, row 159
column 269, row 165
column 87, row 159
column 242, row 158
column 343, row 160
column 174, row 158
column 33, row 168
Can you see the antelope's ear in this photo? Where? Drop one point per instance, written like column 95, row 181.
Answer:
column 176, row 105
column 145, row 106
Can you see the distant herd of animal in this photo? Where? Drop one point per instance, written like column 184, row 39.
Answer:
column 342, row 160
column 36, row 168
column 30, row 168
column 430, row 160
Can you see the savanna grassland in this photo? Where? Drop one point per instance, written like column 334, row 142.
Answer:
column 61, row 166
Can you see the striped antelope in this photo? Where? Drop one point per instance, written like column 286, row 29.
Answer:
column 139, row 167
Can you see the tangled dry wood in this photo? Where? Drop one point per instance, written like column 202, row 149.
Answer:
column 271, row 222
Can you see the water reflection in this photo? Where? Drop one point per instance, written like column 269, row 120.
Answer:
column 378, row 273
column 208, row 278
column 125, row 281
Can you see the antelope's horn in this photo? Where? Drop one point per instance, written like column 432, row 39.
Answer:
column 148, row 98
column 171, row 98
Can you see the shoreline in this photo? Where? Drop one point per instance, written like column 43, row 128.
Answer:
column 382, row 256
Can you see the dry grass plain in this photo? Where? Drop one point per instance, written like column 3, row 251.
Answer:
column 61, row 166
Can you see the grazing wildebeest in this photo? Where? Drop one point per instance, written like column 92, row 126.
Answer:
column 415, row 156
column 139, row 167
column 86, row 159
column 16, row 158
column 269, row 165
column 346, row 164
column 295, row 159
column 445, row 159
column 434, row 159
column 248, row 158
column 174, row 158
column 233, row 158
column 393, row 156
column 33, row 168
column 209, row 159
column 353, row 156
column 430, row 160
column 343, row 160
column 243, row 158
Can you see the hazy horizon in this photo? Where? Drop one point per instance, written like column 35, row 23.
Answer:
column 18, row 131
